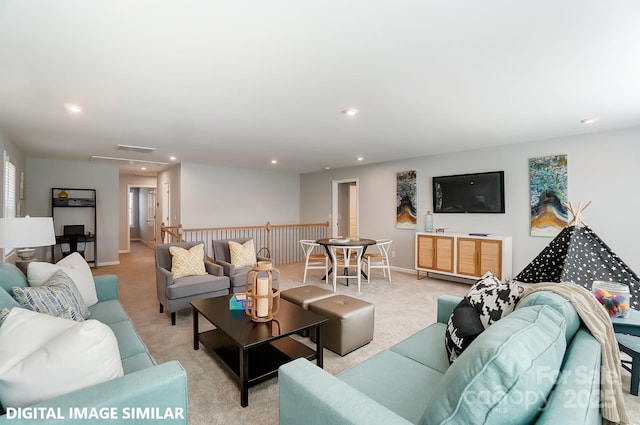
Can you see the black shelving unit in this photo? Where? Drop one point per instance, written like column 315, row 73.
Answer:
column 75, row 199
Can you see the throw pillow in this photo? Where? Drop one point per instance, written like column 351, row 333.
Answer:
column 187, row 262
column 45, row 357
column 463, row 327
column 56, row 295
column 487, row 301
column 3, row 315
column 242, row 255
column 493, row 299
column 75, row 266
column 506, row 375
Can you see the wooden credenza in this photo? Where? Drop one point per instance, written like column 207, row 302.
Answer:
column 463, row 255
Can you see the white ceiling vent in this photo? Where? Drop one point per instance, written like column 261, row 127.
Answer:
column 131, row 148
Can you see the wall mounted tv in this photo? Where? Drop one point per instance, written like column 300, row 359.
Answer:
column 469, row 193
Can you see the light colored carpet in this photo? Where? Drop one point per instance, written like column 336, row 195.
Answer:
column 401, row 309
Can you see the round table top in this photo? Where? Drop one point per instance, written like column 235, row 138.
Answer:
column 346, row 242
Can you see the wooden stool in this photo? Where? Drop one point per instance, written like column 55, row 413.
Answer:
column 350, row 324
column 630, row 345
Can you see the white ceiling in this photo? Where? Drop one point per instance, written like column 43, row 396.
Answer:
column 239, row 83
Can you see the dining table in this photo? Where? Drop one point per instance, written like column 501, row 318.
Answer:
column 345, row 242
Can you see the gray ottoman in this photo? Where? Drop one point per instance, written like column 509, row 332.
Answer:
column 350, row 324
column 305, row 295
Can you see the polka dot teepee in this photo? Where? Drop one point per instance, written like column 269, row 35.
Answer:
column 578, row 255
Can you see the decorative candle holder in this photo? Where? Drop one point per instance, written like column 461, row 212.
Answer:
column 264, row 297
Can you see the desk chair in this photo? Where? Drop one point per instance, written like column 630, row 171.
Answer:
column 71, row 234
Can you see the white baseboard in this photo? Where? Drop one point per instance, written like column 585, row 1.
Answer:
column 109, row 263
column 402, row 269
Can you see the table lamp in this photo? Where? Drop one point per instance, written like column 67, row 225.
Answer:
column 26, row 233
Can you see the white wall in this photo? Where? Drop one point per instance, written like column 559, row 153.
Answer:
column 602, row 168
column 43, row 174
column 219, row 196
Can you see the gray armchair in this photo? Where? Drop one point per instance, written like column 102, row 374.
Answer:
column 222, row 256
column 175, row 294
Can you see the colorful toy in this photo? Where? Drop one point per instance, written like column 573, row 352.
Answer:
column 616, row 303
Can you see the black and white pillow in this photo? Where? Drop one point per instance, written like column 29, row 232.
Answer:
column 493, row 299
column 463, row 327
column 487, row 301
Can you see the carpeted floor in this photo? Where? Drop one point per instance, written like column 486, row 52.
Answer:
column 402, row 308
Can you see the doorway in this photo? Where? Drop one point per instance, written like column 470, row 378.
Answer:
column 142, row 205
column 345, row 208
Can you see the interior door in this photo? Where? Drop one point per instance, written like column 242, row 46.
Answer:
column 345, row 208
column 151, row 217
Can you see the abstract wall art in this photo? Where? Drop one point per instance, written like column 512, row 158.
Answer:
column 548, row 180
column 406, row 200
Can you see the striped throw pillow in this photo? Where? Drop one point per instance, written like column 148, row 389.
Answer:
column 57, row 295
column 3, row 315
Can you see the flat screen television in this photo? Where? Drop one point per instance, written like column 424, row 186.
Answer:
column 469, row 193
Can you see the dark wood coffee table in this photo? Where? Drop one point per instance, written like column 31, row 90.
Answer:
column 253, row 351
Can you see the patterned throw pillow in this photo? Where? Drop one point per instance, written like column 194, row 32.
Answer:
column 187, row 262
column 75, row 266
column 487, row 301
column 493, row 299
column 71, row 314
column 56, row 295
column 463, row 327
column 3, row 315
column 242, row 255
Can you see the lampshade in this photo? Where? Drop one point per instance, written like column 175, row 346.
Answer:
column 26, row 232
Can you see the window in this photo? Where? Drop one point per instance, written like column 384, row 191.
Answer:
column 9, row 187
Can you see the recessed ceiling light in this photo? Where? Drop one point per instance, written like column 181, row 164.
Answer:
column 327, row 168
column 173, row 158
column 360, row 158
column 274, row 161
column 350, row 112
column 589, row 120
column 143, row 168
column 73, row 108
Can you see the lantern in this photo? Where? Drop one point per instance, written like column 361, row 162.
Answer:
column 263, row 297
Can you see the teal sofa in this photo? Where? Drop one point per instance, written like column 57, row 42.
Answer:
column 538, row 364
column 147, row 388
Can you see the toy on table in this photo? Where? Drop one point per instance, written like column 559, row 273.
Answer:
column 613, row 296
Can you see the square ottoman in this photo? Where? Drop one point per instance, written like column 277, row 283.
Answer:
column 305, row 295
column 350, row 324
